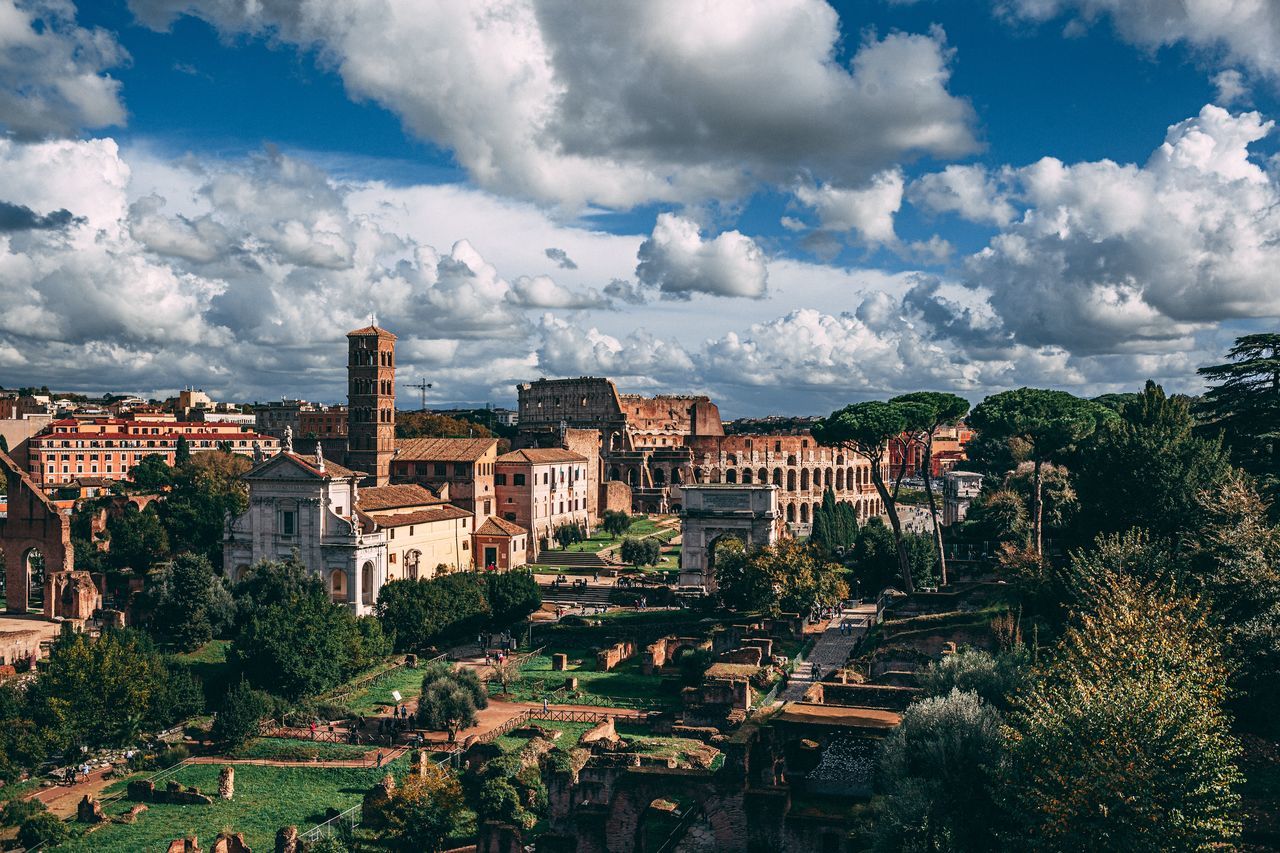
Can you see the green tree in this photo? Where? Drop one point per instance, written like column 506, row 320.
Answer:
column 996, row 679
column 1046, row 424
column 944, row 410
column 1000, row 515
column 936, row 769
column 567, row 534
column 181, row 602
column 204, row 491
column 152, row 474
column 512, row 596
column 450, row 699
column 616, row 522
column 138, row 539
column 787, row 577
column 1244, row 406
column 239, row 717
column 295, row 645
column 1146, row 467
column 640, row 552
column 867, row 430
column 875, row 556
column 44, row 829
column 446, row 607
column 99, row 692
column 421, row 812
column 1121, row 743
column 181, row 452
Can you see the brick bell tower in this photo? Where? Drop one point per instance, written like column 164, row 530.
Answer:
column 371, row 402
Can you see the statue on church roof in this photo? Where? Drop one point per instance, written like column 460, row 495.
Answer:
column 288, row 438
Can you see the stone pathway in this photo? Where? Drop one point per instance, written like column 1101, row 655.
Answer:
column 830, row 650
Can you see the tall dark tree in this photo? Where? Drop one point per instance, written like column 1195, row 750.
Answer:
column 138, row 539
column 181, row 452
column 152, row 474
column 204, row 491
column 1146, row 467
column 867, row 429
column 1045, row 424
column 1244, row 406
column 945, row 410
column 182, row 601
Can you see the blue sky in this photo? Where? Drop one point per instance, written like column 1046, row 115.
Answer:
column 785, row 204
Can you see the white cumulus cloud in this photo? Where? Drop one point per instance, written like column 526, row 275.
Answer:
column 680, row 262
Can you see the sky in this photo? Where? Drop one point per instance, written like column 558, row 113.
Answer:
column 786, row 204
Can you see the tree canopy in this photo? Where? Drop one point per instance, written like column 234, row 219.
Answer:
column 787, row 577
column 1244, row 406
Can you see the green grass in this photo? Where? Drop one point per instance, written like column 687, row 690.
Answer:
column 624, row 683
column 570, row 734
column 297, row 749
column 377, row 693
column 266, row 799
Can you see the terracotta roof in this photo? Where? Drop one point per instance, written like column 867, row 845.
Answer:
column 371, row 330
column 837, row 715
column 541, row 455
column 443, row 449
column 447, row 512
column 495, row 526
column 375, row 498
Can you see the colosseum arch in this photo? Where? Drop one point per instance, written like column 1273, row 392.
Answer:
column 777, row 477
column 840, row 480
column 746, row 476
column 731, row 476
column 804, row 481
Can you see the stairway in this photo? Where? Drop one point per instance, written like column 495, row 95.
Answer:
column 829, row 652
column 588, row 596
column 575, row 560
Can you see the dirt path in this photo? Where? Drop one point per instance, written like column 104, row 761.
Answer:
column 62, row 800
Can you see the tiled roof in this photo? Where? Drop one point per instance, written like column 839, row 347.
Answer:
column 394, row 497
column 443, row 449
column 446, row 512
column 371, row 330
column 495, row 526
column 542, row 455
column 332, row 470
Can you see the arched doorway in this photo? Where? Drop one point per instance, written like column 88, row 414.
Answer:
column 33, row 568
column 791, row 481
column 746, row 476
column 804, row 480
column 731, row 475
column 804, row 513
column 338, row 585
column 791, row 513
column 659, row 477
column 366, row 583
column 777, row 477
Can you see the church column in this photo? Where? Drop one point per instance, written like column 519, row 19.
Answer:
column 357, row 584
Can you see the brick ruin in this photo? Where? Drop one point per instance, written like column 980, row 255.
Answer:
column 654, row 444
column 34, row 525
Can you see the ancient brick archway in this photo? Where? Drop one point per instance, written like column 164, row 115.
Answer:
column 34, row 524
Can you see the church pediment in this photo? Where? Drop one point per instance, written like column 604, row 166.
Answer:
column 282, row 467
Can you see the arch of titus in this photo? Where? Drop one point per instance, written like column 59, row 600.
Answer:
column 713, row 511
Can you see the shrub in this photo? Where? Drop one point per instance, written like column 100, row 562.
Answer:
column 17, row 811
column 641, row 552
column 240, row 716
column 172, row 755
column 42, row 829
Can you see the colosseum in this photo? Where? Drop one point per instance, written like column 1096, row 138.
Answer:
column 654, row 444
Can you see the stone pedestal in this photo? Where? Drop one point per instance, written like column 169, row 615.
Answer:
column 89, row 810
column 559, row 662
column 571, row 683
column 287, row 840
column 379, row 795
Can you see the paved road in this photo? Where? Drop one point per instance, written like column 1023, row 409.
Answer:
column 831, row 650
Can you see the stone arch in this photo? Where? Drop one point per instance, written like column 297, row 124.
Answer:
column 804, row 479
column 746, row 476
column 848, row 479
column 659, row 477
column 830, row 478
column 791, row 513
column 791, row 480
column 777, row 477
column 762, row 476
column 633, row 477
column 614, row 473
column 677, row 476
column 338, row 585
column 840, row 480
column 804, row 513
column 34, row 569
column 240, row 573
column 697, row 475
column 731, row 475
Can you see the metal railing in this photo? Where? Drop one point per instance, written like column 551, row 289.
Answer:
column 340, row 824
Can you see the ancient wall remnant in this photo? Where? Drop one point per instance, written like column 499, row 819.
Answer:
column 607, row 659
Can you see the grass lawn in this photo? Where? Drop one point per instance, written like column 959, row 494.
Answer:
column 377, row 693
column 209, row 664
column 297, row 749
column 266, row 799
column 570, row 734
column 624, row 683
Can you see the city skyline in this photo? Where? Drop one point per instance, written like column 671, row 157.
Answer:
column 811, row 205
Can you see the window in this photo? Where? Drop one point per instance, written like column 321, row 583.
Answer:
column 459, row 470
column 440, row 469
column 499, row 479
column 287, row 522
column 488, row 508
column 517, row 479
column 509, row 516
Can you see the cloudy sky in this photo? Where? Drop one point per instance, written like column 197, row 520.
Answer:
column 786, row 204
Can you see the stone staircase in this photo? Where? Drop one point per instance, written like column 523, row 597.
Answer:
column 829, row 652
column 588, row 596
column 575, row 560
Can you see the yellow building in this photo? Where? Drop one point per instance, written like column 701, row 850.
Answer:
column 424, row 534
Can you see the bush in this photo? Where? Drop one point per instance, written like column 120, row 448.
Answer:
column 440, row 609
column 42, row 829
column 240, row 716
column 995, row 678
column 17, row 811
column 172, row 755
column 512, row 596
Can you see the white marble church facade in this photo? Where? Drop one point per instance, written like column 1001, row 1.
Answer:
column 305, row 506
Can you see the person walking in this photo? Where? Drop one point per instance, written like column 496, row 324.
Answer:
column 379, row 758
column 544, row 704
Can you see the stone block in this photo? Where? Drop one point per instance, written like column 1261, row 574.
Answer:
column 287, row 840
column 227, row 842
column 411, row 661
column 140, row 790
column 375, row 801
column 132, row 815
column 571, row 683
column 559, row 662
column 227, row 783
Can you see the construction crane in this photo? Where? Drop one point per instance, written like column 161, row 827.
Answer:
column 422, row 386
